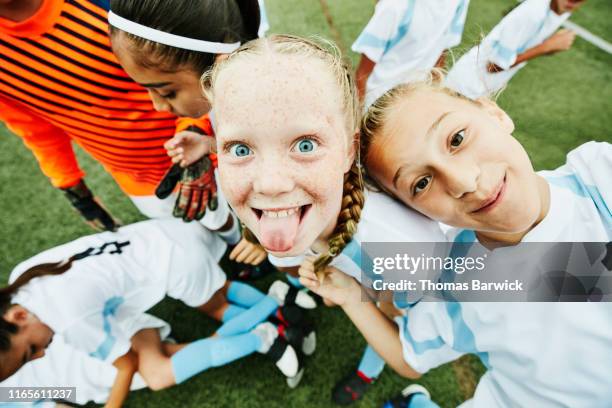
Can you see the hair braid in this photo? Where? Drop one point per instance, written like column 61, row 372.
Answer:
column 348, row 219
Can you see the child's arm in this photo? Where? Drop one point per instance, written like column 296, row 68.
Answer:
column 126, row 365
column 380, row 332
column 562, row 40
column 365, row 68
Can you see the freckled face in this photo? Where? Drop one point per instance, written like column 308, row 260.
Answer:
column 283, row 148
column 456, row 162
column 177, row 92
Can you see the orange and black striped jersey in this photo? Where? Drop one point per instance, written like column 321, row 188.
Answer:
column 60, row 82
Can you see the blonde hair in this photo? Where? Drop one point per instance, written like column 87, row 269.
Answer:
column 325, row 52
column 373, row 121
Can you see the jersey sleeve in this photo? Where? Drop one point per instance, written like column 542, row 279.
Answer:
column 51, row 146
column 587, row 172
column 379, row 31
column 426, row 334
column 515, row 30
column 455, row 30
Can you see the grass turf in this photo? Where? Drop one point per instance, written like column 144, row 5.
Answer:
column 557, row 103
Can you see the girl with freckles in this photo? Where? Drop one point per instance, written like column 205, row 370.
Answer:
column 287, row 141
column 455, row 160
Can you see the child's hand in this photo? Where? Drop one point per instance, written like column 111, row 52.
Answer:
column 187, row 147
column 336, row 286
column 248, row 253
column 562, row 40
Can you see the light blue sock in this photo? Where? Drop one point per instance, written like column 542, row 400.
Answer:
column 231, row 312
column 244, row 295
column 295, row 282
column 371, row 364
column 250, row 318
column 421, row 401
column 212, row 352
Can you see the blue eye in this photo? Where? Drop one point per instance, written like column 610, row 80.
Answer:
column 240, row 150
column 306, row 145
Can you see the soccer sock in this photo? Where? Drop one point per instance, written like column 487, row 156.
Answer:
column 295, row 282
column 212, row 352
column 231, row 312
column 371, row 365
column 231, row 236
column 248, row 319
column 243, row 295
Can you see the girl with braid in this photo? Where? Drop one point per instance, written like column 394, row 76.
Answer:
column 94, row 292
column 287, row 141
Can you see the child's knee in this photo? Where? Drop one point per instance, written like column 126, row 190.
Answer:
column 158, row 378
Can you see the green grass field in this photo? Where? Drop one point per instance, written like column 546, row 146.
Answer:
column 557, row 103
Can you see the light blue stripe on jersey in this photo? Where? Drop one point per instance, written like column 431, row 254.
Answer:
column 463, row 337
column 404, row 26
column 457, row 23
column 110, row 308
column 370, row 40
column 576, row 185
column 503, row 53
column 523, row 47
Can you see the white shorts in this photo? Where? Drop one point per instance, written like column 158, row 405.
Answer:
column 195, row 274
column 153, row 207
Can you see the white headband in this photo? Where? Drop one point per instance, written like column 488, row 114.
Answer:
column 170, row 39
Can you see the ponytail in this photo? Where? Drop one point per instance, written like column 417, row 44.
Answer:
column 7, row 329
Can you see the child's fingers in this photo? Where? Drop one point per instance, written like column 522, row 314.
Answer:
column 243, row 253
column 260, row 258
column 309, row 283
column 237, row 249
column 251, row 257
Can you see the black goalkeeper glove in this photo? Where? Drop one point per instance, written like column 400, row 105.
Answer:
column 88, row 206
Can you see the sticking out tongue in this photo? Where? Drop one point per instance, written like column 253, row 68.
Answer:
column 278, row 234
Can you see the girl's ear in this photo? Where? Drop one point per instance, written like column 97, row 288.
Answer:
column 221, row 57
column 498, row 113
column 352, row 150
column 17, row 315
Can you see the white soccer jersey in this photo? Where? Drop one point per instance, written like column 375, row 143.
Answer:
column 528, row 25
column 65, row 366
column 405, row 38
column 96, row 305
column 536, row 354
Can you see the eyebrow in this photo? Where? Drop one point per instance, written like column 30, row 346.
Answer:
column 434, row 126
column 155, row 84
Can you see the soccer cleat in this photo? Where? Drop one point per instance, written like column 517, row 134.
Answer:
column 300, row 338
column 405, row 397
column 277, row 349
column 350, row 389
column 294, row 381
column 286, row 294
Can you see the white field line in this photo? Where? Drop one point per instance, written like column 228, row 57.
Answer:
column 589, row 37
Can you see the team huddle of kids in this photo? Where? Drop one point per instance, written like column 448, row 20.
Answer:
column 284, row 154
